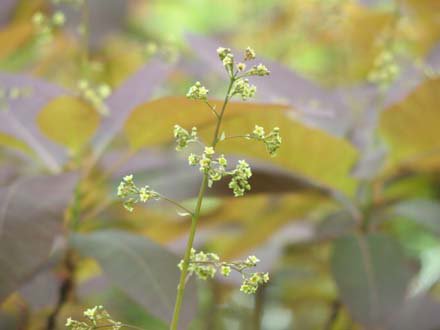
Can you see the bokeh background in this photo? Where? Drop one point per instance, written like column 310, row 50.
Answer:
column 346, row 218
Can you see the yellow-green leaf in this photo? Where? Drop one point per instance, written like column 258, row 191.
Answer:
column 411, row 129
column 13, row 37
column 68, row 121
column 12, row 142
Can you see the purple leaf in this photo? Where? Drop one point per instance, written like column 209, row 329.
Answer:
column 142, row 269
column 18, row 116
column 372, row 276
column 6, row 10
column 136, row 90
column 31, row 216
column 108, row 17
column 421, row 313
column 42, row 291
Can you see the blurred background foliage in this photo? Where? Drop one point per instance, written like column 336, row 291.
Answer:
column 346, row 218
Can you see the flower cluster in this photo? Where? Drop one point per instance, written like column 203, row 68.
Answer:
column 202, row 264
column 96, row 317
column 272, row 140
column 240, row 178
column 45, row 25
column 385, row 69
column 132, row 194
column 244, row 89
column 183, row 137
column 205, row 266
column 258, row 70
column 216, row 168
column 95, row 95
column 251, row 283
column 197, row 92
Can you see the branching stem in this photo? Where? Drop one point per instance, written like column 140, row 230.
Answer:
column 195, row 217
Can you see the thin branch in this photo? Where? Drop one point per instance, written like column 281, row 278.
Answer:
column 212, row 109
column 176, row 204
column 121, row 324
column 247, row 137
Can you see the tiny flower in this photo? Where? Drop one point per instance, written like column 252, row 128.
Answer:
column 223, row 52
column 38, row 18
column 222, row 161
column 205, row 164
column 228, row 60
column 252, row 260
column 193, row 159
column 183, row 137
column 259, row 70
column 241, row 66
column 258, row 132
column 243, row 88
column 197, row 92
column 209, row 151
column 225, row 271
column 240, row 176
column 58, row 18
column 104, row 91
column 249, row 54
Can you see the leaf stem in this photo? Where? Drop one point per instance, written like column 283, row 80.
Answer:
column 195, row 218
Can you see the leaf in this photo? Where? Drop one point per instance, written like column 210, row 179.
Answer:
column 42, row 291
column 108, row 18
column 6, row 12
column 18, row 119
column 255, row 228
column 371, row 276
column 133, row 92
column 423, row 211
column 13, row 37
column 421, row 313
column 68, row 121
column 139, row 267
column 31, row 215
column 308, row 152
column 410, row 128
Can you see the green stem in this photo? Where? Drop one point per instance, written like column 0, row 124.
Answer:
column 195, row 218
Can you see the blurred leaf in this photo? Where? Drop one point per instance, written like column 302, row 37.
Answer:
column 18, row 116
column 429, row 273
column 142, row 269
column 32, row 211
column 11, row 142
column 7, row 10
column 423, row 211
column 69, row 121
column 108, row 18
column 421, row 313
column 371, row 275
column 258, row 226
column 13, row 37
column 132, row 93
column 308, row 152
column 42, row 291
column 411, row 129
